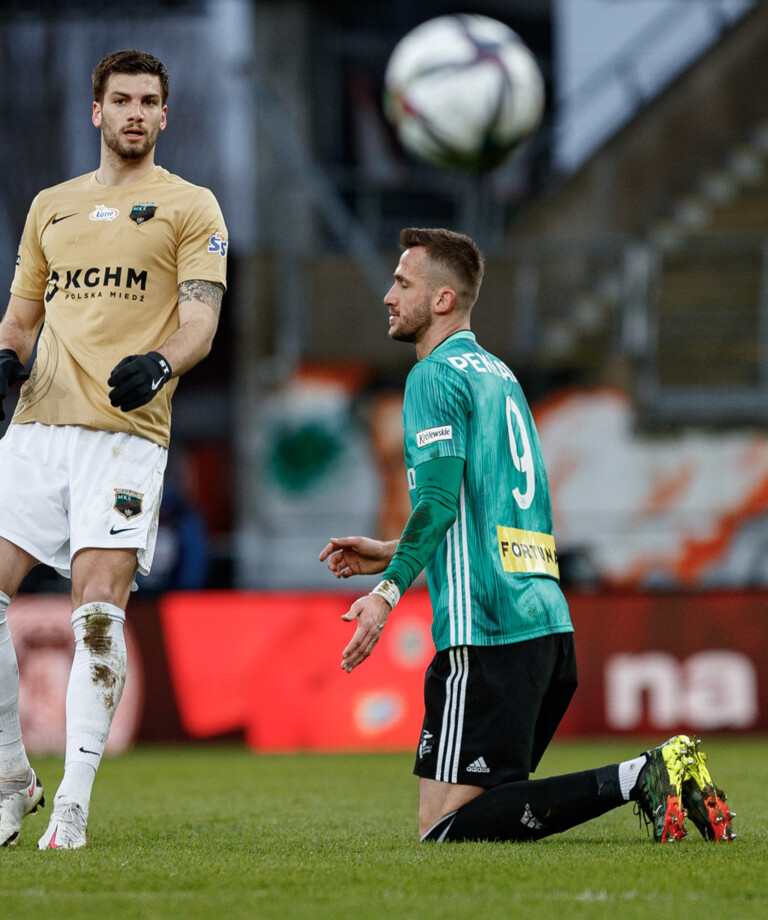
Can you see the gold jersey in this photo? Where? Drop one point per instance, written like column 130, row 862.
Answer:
column 106, row 262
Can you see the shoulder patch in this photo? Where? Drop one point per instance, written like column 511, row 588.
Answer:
column 429, row 435
column 218, row 243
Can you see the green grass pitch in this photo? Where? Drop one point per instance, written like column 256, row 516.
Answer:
column 221, row 833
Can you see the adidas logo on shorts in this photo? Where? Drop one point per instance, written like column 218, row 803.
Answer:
column 478, row 766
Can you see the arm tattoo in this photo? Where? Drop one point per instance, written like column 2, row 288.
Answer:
column 208, row 292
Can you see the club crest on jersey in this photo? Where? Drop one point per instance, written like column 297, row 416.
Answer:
column 128, row 503
column 102, row 212
column 218, row 243
column 142, row 212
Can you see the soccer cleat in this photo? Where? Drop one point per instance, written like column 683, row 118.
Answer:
column 704, row 801
column 659, row 789
column 15, row 806
column 67, row 829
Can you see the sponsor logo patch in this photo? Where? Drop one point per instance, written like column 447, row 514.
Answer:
column 88, row 283
column 218, row 243
column 128, row 503
column 102, row 212
column 527, row 551
column 430, row 435
column 142, row 212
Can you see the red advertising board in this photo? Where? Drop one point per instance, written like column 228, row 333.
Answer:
column 658, row 663
column 269, row 664
column 266, row 667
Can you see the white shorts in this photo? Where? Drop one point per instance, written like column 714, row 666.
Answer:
column 64, row 488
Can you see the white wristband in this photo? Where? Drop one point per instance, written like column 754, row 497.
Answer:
column 389, row 591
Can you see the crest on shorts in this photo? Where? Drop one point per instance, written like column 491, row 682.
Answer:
column 140, row 213
column 128, row 503
column 425, row 745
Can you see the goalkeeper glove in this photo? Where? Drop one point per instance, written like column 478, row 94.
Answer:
column 11, row 371
column 137, row 379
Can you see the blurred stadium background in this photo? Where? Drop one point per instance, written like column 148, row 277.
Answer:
column 627, row 287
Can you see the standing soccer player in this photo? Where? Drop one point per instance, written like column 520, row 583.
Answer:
column 121, row 272
column 505, row 668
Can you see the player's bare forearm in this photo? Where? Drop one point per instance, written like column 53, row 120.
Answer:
column 199, row 309
column 349, row 556
column 20, row 325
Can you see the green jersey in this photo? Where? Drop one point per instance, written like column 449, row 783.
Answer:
column 494, row 579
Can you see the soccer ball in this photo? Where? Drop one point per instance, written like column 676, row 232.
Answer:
column 462, row 91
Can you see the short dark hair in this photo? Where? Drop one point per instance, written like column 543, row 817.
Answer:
column 454, row 252
column 128, row 62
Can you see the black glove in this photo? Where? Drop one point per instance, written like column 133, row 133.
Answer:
column 137, row 379
column 11, row 370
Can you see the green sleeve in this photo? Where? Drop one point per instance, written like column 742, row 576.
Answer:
column 437, row 498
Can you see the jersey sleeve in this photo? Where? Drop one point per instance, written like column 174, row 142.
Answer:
column 203, row 242
column 436, row 410
column 30, row 276
column 437, row 487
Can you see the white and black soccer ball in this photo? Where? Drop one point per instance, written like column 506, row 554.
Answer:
column 462, row 91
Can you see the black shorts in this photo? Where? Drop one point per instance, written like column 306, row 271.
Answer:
column 491, row 711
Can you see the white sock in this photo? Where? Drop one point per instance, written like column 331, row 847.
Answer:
column 629, row 770
column 95, row 686
column 14, row 765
